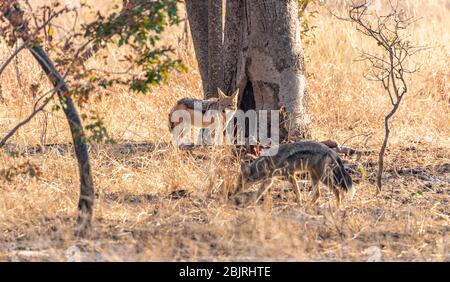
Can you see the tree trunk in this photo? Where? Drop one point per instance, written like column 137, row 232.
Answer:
column 205, row 21
column 197, row 11
column 232, row 41
column 215, row 37
column 274, row 62
column 263, row 56
column 86, row 200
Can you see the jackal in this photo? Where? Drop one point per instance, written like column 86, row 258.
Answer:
column 221, row 109
column 322, row 163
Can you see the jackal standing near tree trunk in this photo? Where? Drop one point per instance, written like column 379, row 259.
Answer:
column 322, row 164
column 220, row 109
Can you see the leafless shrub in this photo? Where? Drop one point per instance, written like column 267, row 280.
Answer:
column 392, row 65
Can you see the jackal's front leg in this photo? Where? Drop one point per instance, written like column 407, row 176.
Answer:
column 239, row 185
column 316, row 191
column 240, row 196
column 296, row 188
column 337, row 195
column 265, row 186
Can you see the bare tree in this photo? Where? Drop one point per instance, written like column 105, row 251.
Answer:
column 392, row 65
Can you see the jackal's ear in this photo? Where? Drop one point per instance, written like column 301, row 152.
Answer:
column 235, row 93
column 221, row 94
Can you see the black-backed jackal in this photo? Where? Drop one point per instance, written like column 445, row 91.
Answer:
column 220, row 109
column 322, row 163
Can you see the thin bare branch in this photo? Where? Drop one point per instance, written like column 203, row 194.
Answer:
column 28, row 119
column 24, row 45
column 11, row 57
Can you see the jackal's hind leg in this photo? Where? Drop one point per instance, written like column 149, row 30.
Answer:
column 295, row 187
column 239, row 185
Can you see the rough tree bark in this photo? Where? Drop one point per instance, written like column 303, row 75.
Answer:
column 263, row 56
column 273, row 60
column 206, row 24
column 197, row 11
column 232, row 41
column 12, row 12
column 215, row 37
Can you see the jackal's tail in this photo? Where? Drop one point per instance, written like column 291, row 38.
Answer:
column 342, row 179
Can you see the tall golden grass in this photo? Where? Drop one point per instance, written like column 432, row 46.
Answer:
column 136, row 218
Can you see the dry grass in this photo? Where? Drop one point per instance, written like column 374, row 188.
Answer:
column 137, row 218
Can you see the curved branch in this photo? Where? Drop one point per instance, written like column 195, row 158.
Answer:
column 12, row 12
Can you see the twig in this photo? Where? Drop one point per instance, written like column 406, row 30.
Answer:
column 11, row 57
column 25, row 44
column 25, row 121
